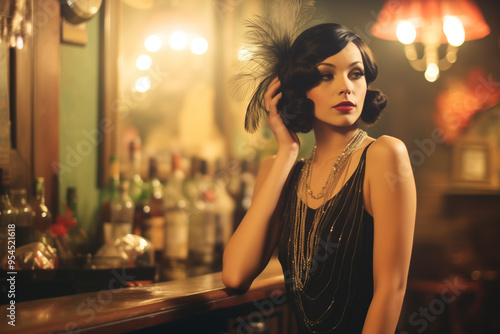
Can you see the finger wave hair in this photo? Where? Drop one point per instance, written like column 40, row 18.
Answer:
column 298, row 74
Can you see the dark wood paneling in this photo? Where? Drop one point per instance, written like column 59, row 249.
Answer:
column 46, row 71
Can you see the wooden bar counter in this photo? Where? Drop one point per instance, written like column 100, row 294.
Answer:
column 182, row 306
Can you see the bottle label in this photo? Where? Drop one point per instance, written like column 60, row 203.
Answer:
column 154, row 231
column 202, row 235
column 116, row 230
column 176, row 234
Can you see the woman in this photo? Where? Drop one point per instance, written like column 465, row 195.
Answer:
column 342, row 219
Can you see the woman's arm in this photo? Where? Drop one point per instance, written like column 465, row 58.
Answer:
column 393, row 204
column 253, row 242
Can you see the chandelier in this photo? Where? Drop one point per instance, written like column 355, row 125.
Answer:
column 432, row 23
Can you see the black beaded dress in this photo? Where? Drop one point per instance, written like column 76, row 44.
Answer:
column 338, row 292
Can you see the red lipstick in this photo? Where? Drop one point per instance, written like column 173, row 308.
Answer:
column 345, row 106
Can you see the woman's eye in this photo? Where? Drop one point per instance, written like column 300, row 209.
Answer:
column 358, row 74
column 326, row 76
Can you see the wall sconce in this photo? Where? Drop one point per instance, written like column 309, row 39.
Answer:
column 432, row 23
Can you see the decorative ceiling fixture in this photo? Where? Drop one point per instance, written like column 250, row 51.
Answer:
column 432, row 23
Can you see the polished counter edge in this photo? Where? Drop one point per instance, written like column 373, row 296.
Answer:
column 134, row 308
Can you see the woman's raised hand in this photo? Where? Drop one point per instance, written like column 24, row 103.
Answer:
column 287, row 140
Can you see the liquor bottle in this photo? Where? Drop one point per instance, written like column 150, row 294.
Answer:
column 245, row 193
column 78, row 237
column 137, row 193
column 117, row 215
column 224, row 214
column 175, row 253
column 108, row 194
column 122, row 212
column 190, row 185
column 25, row 230
column 202, row 223
column 7, row 214
column 42, row 215
column 153, row 213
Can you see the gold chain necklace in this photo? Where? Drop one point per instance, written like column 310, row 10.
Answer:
column 302, row 256
column 339, row 164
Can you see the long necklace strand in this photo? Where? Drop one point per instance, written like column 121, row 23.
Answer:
column 303, row 251
column 304, row 246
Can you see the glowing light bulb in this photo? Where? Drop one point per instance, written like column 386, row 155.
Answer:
column 244, row 54
column 432, row 72
column 142, row 84
column 19, row 43
column 406, row 32
column 143, row 62
column 454, row 30
column 178, row 40
column 153, row 43
column 199, row 46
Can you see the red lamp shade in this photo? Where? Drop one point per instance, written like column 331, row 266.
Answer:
column 429, row 13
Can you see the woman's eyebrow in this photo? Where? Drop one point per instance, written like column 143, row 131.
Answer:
column 331, row 65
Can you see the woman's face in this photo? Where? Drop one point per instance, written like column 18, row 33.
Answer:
column 340, row 95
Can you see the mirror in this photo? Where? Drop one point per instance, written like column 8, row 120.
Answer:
column 166, row 68
column 16, row 64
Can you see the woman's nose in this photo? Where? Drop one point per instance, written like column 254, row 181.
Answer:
column 344, row 86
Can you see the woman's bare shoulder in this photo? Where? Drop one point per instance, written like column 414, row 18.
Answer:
column 386, row 155
column 386, row 147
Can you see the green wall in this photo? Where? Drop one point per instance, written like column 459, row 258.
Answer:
column 79, row 110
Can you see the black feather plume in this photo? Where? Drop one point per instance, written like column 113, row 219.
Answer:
column 268, row 40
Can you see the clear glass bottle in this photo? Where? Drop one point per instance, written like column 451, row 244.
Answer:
column 191, row 183
column 122, row 212
column 42, row 215
column 203, row 224
column 25, row 229
column 175, row 253
column 8, row 212
column 224, row 214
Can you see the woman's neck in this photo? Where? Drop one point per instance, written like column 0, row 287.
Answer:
column 331, row 141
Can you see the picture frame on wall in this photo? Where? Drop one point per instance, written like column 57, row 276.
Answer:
column 474, row 164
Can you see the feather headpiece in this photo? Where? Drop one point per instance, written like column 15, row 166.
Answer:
column 268, row 39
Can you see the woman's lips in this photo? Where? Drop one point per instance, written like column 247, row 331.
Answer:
column 345, row 106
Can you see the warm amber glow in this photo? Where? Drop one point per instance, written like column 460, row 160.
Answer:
column 143, row 62
column 454, row 30
column 178, row 40
column 244, row 54
column 153, row 43
column 406, row 32
column 199, row 46
column 422, row 13
column 142, row 84
column 432, row 72
column 430, row 22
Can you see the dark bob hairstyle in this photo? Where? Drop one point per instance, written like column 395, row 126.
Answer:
column 298, row 74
